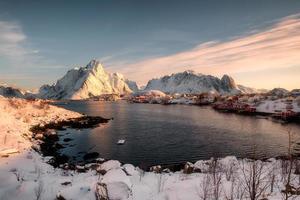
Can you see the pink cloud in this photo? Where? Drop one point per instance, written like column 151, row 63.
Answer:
column 274, row 48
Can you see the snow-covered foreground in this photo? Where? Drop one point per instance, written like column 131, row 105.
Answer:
column 26, row 175
column 18, row 115
column 278, row 105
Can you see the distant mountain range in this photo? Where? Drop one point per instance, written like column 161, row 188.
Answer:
column 92, row 81
column 85, row 82
column 7, row 91
column 191, row 82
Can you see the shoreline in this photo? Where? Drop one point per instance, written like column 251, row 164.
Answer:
column 48, row 136
column 49, row 147
column 269, row 115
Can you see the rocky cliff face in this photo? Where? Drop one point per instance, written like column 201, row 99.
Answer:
column 10, row 92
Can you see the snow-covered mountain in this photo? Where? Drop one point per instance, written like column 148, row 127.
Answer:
column 10, row 92
column 249, row 90
column 191, row 82
column 278, row 92
column 85, row 82
column 132, row 85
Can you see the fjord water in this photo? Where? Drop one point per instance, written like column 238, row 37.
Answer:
column 158, row 134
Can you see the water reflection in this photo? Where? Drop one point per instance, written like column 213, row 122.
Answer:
column 176, row 133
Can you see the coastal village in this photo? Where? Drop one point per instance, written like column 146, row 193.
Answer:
column 277, row 103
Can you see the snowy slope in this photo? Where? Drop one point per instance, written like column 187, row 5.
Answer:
column 249, row 90
column 84, row 82
column 279, row 105
column 191, row 82
column 278, row 92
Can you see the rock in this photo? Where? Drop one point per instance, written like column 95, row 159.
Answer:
column 36, row 147
column 101, row 191
column 50, row 132
column 201, row 166
column 167, row 170
column 118, row 191
column 130, row 169
column 92, row 166
column 116, row 175
column 109, row 165
column 39, row 136
column 80, row 169
column 100, row 160
column 91, row 155
column 60, row 197
column 156, row 169
column 66, row 183
column 188, row 168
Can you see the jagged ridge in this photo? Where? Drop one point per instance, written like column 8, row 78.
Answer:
column 191, row 82
column 85, row 82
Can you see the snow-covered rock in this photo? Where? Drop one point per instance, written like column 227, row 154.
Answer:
column 85, row 82
column 295, row 92
column 278, row 92
column 250, row 90
column 111, row 164
column 116, row 175
column 191, row 82
column 130, row 169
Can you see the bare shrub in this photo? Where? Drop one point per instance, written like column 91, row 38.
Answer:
column 101, row 192
column 229, row 171
column 255, row 179
column 272, row 178
column 38, row 191
column 204, row 192
column 287, row 171
column 161, row 182
column 216, row 174
column 19, row 176
column 239, row 190
column 230, row 195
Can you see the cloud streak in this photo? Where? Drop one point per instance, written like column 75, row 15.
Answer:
column 19, row 61
column 13, row 44
column 276, row 47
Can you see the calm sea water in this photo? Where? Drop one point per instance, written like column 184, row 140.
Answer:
column 158, row 134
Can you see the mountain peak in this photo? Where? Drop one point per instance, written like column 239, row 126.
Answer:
column 94, row 64
column 189, row 71
column 228, row 81
column 85, row 82
column 192, row 82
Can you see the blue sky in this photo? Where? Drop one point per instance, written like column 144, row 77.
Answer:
column 41, row 40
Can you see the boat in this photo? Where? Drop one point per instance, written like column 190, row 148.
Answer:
column 120, row 142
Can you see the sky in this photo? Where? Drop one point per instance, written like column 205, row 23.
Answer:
column 256, row 42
